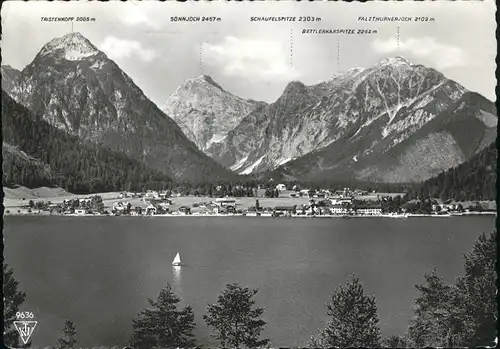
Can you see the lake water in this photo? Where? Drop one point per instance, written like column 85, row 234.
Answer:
column 99, row 271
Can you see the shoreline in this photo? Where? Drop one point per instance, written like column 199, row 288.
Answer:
column 47, row 214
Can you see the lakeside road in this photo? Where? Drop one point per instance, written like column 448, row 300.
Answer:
column 263, row 215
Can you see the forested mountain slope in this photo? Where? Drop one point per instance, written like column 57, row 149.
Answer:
column 37, row 154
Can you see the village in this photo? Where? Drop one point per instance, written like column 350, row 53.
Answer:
column 269, row 202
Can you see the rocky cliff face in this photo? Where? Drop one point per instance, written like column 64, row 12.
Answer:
column 78, row 89
column 10, row 77
column 251, row 146
column 447, row 140
column 205, row 111
column 359, row 114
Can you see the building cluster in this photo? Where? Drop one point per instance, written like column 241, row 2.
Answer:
column 157, row 202
column 322, row 193
column 447, row 208
column 82, row 206
column 338, row 206
column 149, row 195
column 79, row 206
column 160, row 204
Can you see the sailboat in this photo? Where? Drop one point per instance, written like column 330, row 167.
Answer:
column 177, row 260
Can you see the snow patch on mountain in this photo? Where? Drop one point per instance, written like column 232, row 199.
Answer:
column 282, row 161
column 240, row 163
column 250, row 168
column 217, row 138
column 72, row 47
column 424, row 101
column 395, row 61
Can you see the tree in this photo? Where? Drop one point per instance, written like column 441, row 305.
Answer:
column 461, row 314
column 353, row 319
column 164, row 325
column 438, row 311
column 67, row 339
column 234, row 318
column 13, row 298
column 397, row 341
column 478, row 286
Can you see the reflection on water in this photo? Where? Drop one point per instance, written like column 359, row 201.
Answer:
column 176, row 280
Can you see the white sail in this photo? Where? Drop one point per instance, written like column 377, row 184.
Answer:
column 177, row 259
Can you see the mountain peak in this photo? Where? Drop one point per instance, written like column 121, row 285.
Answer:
column 72, row 47
column 294, row 86
column 343, row 74
column 207, row 79
column 395, row 61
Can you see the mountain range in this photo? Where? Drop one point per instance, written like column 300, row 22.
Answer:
column 76, row 88
column 394, row 122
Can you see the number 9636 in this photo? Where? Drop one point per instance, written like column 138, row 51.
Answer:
column 24, row 315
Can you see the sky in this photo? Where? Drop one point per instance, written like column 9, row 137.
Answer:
column 257, row 59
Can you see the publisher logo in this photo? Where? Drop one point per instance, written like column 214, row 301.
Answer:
column 25, row 327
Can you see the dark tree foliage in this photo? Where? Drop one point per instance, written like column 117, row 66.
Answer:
column 353, row 319
column 438, row 314
column 241, row 188
column 479, row 286
column 271, row 193
column 18, row 170
column 68, row 162
column 461, row 314
column 397, row 341
column 392, row 204
column 474, row 179
column 164, row 325
column 271, row 178
column 13, row 298
column 68, row 338
column 235, row 320
column 423, row 206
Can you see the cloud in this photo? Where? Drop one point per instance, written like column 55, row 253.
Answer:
column 122, row 48
column 135, row 17
column 250, row 59
column 443, row 55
